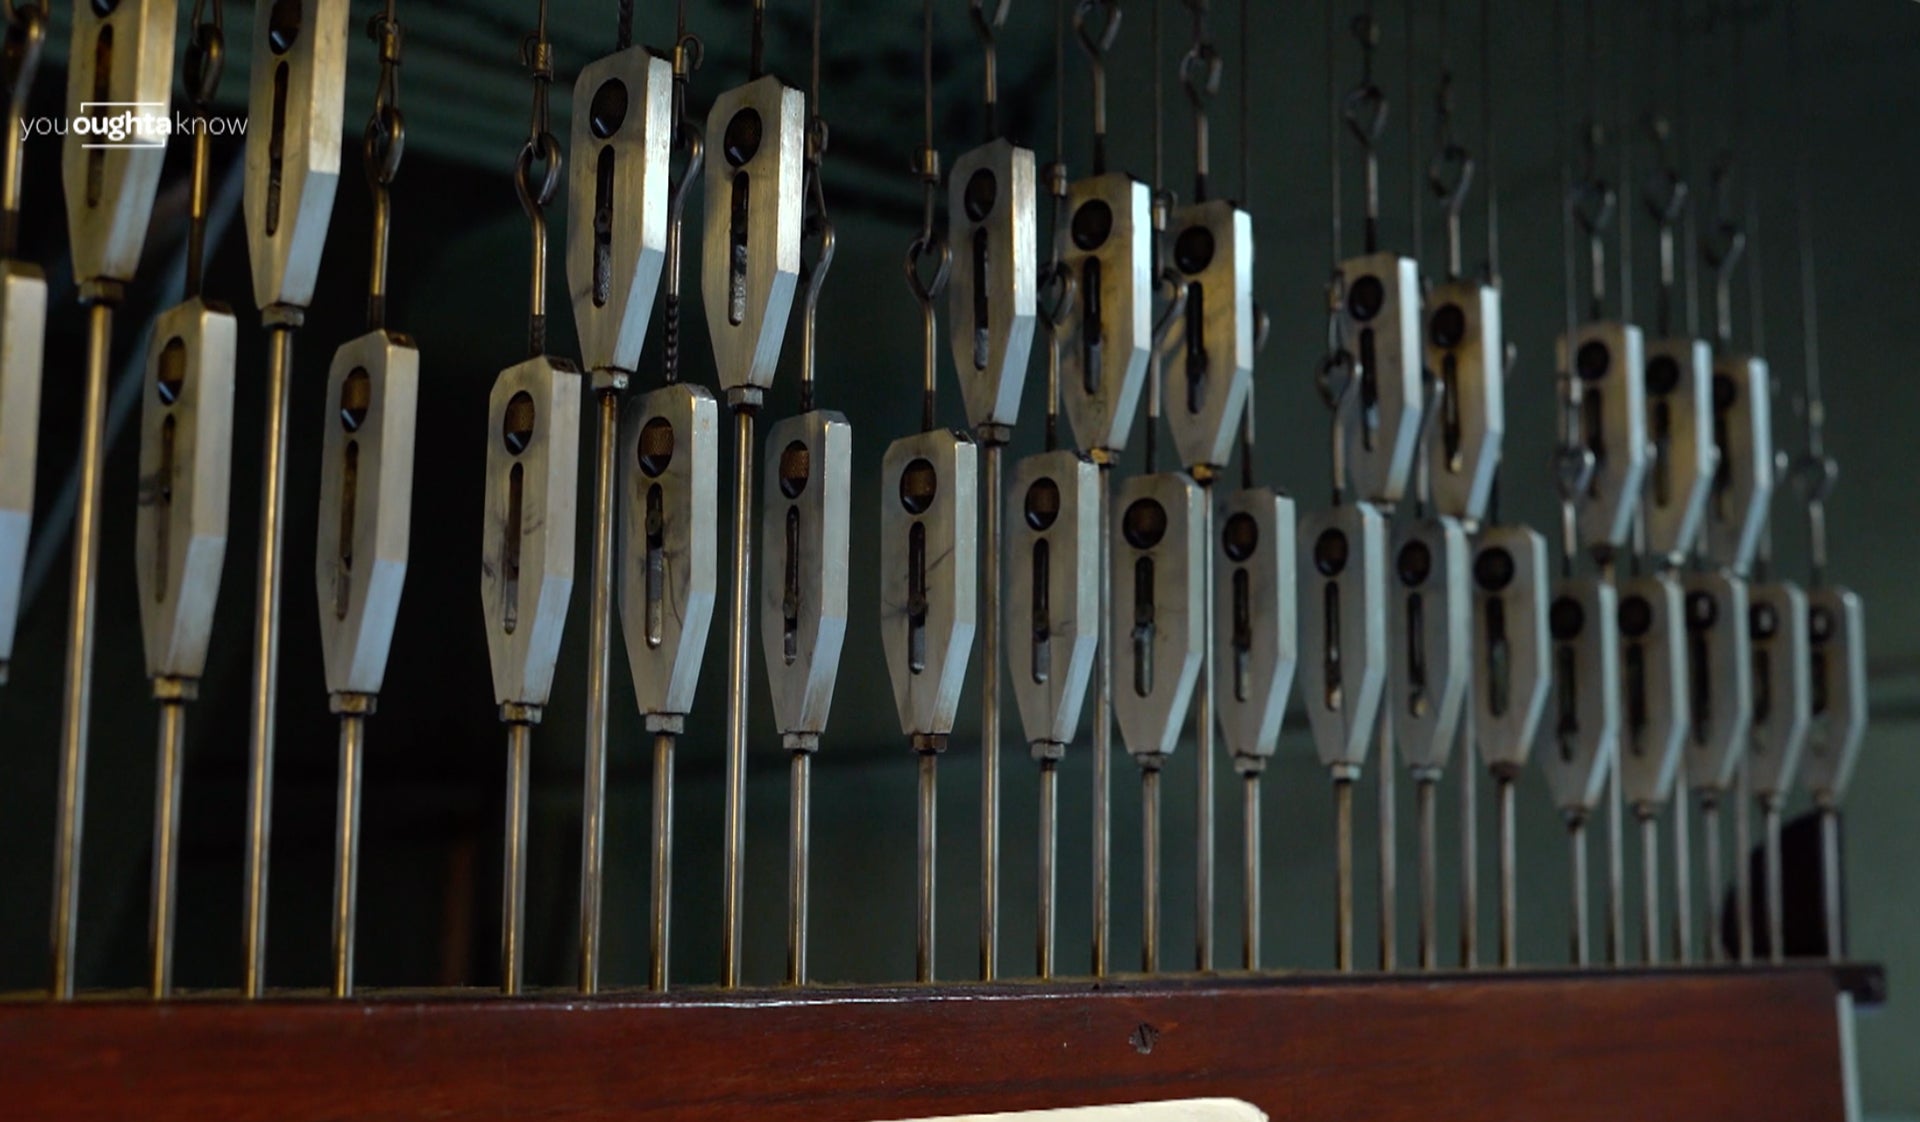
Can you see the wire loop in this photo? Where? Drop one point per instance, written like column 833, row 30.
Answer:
column 1365, row 112
column 20, row 58
column 206, row 56
column 541, row 151
column 1450, row 175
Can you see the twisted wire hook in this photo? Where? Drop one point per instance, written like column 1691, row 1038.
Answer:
column 1096, row 41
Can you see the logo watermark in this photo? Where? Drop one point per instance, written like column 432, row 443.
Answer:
column 130, row 124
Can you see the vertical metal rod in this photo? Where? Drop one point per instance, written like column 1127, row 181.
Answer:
column 1649, row 887
column 734, row 860
column 513, row 879
column 1830, row 882
column 1509, row 876
column 1203, row 884
column 79, row 670
column 1469, row 841
column 1048, row 875
column 1579, row 950
column 1429, row 875
column 1389, row 845
column 346, row 850
column 1149, row 865
column 1103, row 741
column 1616, row 860
column 593, row 798
column 266, row 657
column 1742, row 866
column 1715, row 882
column 924, row 882
column 1343, row 874
column 1250, row 871
column 1682, row 882
column 990, row 713
column 799, row 862
column 660, row 901
column 1776, row 904
column 166, row 846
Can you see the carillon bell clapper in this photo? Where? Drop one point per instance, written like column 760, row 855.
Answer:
column 617, row 189
column 124, row 55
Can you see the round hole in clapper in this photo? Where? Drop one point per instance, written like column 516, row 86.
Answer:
column 1330, row 553
column 609, row 109
column 356, row 398
column 1043, row 503
column 1702, row 612
column 516, row 425
column 171, row 376
column 796, row 467
column 1636, row 617
column 1725, row 392
column 1366, row 297
column 1414, row 564
column 1092, row 225
column 1494, row 569
column 283, row 25
column 1240, row 536
column 1448, row 326
column 1820, row 624
column 983, row 190
column 742, row 139
column 1193, row 249
column 1144, row 524
column 1566, row 618
column 655, row 446
column 1663, row 375
column 919, row 483
column 1593, row 360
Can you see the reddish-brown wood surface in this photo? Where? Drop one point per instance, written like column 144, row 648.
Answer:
column 1752, row 1046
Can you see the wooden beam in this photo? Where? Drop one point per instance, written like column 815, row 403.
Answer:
column 1750, row 1045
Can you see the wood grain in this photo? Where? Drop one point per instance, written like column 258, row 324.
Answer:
column 1695, row 1045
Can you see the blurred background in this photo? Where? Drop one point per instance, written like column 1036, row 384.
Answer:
column 435, row 763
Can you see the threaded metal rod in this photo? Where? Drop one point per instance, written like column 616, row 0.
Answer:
column 799, row 864
column 660, row 896
column 266, row 657
column 346, row 851
column 593, row 811
column 1424, row 793
column 513, row 880
column 734, row 865
column 1343, row 874
column 1250, row 871
column 166, row 847
column 1048, row 874
column 1150, row 868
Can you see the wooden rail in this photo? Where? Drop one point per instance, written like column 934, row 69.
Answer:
column 1751, row 1045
